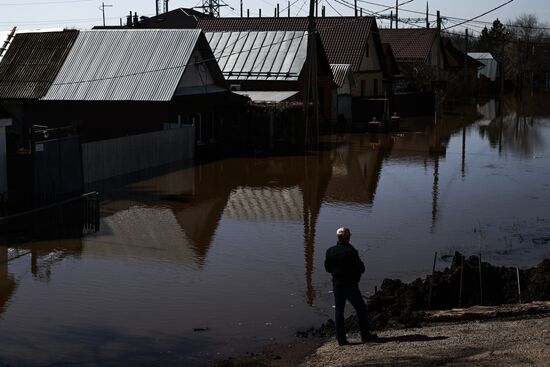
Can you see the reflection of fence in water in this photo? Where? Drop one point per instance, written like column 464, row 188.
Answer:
column 68, row 218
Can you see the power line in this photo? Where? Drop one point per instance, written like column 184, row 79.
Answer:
column 333, row 8
column 302, row 35
column 479, row 16
column 47, row 2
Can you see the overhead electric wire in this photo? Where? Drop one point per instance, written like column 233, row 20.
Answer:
column 300, row 10
column 333, row 8
column 46, row 2
column 288, row 5
column 483, row 14
column 305, row 34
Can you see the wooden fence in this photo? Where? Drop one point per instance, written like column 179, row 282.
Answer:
column 116, row 157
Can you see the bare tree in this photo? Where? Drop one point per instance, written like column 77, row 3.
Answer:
column 522, row 53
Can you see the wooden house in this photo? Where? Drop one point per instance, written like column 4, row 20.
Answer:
column 272, row 61
column 5, row 121
column 346, row 40
column 134, row 98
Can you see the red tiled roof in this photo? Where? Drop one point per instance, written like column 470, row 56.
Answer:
column 344, row 38
column 409, row 44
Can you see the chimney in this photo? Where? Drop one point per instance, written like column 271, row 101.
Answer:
column 129, row 20
column 323, row 11
column 248, row 13
column 136, row 20
column 260, row 13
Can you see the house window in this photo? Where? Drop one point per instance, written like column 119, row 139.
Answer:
column 375, row 87
column 363, row 88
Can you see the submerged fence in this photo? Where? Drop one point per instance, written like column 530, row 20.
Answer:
column 66, row 219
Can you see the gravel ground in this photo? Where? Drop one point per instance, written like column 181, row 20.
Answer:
column 521, row 342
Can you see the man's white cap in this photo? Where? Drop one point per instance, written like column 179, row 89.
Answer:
column 341, row 232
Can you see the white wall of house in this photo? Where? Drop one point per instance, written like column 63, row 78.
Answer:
column 3, row 159
column 343, row 98
column 368, row 81
column 434, row 53
column 197, row 78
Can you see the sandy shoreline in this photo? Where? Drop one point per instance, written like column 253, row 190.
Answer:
column 519, row 341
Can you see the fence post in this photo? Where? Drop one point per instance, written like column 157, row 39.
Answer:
column 432, row 283
column 519, row 285
column 461, row 276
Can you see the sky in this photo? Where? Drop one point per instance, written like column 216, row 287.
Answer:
column 82, row 14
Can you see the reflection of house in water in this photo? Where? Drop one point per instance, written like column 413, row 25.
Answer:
column 147, row 233
column 356, row 169
column 42, row 256
column 516, row 129
column 173, row 217
column 266, row 204
column 357, row 164
column 488, row 112
column 286, row 189
column 7, row 281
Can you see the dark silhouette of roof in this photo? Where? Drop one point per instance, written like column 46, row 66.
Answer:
column 455, row 58
column 411, row 44
column 177, row 18
column 391, row 63
column 32, row 62
column 344, row 38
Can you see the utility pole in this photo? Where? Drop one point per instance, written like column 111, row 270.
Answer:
column 355, row 7
column 427, row 15
column 438, row 45
column 396, row 14
column 310, row 90
column 467, row 91
column 102, row 8
column 211, row 7
column 241, row 8
column 391, row 19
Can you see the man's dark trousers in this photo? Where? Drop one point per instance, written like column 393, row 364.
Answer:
column 351, row 293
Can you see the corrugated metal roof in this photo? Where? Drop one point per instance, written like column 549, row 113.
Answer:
column 4, row 36
column 268, row 96
column 340, row 72
column 125, row 65
column 31, row 63
column 259, row 55
column 344, row 38
column 411, row 44
column 481, row 55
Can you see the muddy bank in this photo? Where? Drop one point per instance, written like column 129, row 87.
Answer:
column 398, row 304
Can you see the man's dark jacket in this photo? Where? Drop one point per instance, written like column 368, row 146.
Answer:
column 343, row 262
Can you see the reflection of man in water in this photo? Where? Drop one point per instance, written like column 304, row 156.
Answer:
column 343, row 262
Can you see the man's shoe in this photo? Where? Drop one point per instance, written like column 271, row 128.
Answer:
column 343, row 342
column 370, row 337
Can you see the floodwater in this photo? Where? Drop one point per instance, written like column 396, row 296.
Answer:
column 195, row 264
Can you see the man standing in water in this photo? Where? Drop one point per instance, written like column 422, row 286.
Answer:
column 343, row 262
